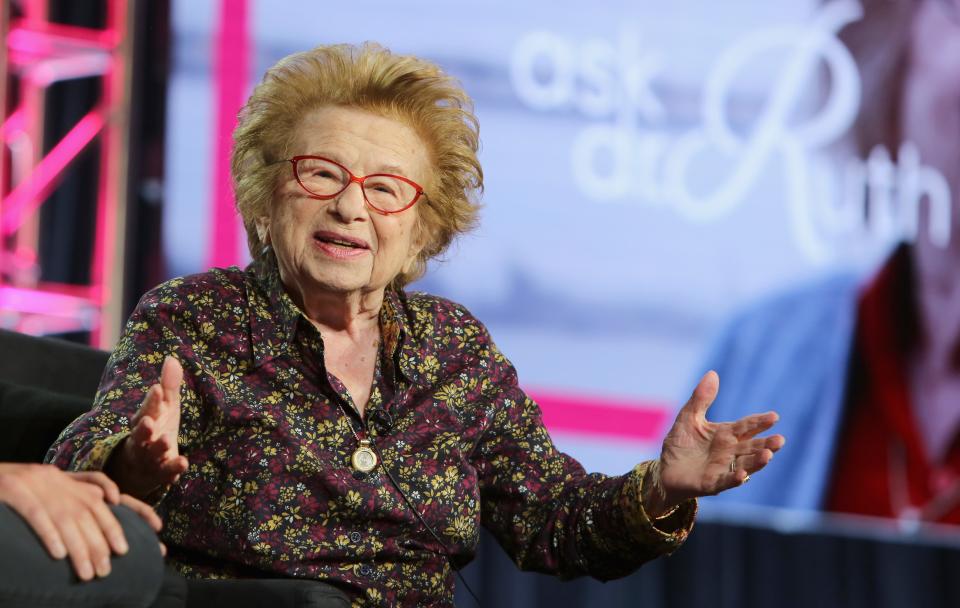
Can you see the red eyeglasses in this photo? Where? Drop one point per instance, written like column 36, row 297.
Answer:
column 325, row 179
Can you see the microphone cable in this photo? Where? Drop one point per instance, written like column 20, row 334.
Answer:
column 436, row 537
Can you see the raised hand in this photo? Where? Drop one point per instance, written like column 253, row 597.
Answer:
column 70, row 513
column 701, row 458
column 149, row 457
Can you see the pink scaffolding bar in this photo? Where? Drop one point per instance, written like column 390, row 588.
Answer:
column 231, row 70
column 107, row 264
column 28, row 195
column 39, row 53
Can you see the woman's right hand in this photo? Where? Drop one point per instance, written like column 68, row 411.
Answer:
column 149, row 458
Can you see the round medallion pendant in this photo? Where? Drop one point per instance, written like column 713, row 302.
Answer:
column 364, row 459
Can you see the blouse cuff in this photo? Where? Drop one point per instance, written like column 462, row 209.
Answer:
column 96, row 459
column 101, row 450
column 665, row 533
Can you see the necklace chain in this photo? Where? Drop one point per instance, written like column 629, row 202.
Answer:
column 349, row 422
column 364, row 458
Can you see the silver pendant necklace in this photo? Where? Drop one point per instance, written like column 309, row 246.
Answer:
column 363, row 459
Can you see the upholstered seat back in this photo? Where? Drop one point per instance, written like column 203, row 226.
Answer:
column 44, row 385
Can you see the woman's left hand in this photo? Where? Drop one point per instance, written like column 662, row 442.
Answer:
column 701, row 458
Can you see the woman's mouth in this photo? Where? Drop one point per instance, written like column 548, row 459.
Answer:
column 340, row 246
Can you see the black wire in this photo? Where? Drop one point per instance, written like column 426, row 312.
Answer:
column 435, row 536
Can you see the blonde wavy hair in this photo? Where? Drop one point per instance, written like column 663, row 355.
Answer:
column 369, row 77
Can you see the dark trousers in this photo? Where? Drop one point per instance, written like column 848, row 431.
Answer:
column 29, row 577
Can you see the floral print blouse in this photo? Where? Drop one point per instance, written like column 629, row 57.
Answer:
column 269, row 433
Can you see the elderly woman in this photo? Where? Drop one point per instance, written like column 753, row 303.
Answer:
column 307, row 417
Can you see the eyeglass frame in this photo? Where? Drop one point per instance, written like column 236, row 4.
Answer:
column 420, row 192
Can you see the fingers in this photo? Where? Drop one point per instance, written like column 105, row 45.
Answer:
column 742, row 459
column 151, row 404
column 171, row 377
column 111, row 493
column 111, row 529
column 147, row 514
column 703, row 395
column 98, row 548
column 754, row 454
column 163, row 397
column 70, row 514
column 90, row 530
column 158, row 418
column 172, row 469
column 749, row 446
column 149, row 441
column 750, row 426
column 732, row 479
column 142, row 509
column 751, row 463
column 154, row 457
column 143, row 431
column 162, row 457
column 76, row 544
column 33, row 512
column 158, row 448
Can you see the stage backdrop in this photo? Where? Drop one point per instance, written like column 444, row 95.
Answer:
column 650, row 167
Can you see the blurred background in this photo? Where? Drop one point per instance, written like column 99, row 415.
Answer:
column 652, row 171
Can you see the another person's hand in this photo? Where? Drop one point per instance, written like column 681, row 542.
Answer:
column 702, row 458
column 149, row 458
column 70, row 513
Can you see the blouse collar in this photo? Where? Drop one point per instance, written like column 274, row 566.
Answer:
column 275, row 320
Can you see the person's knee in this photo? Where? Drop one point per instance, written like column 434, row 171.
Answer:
column 143, row 560
column 143, row 541
column 30, row 577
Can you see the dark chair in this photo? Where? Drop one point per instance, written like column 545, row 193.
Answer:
column 45, row 384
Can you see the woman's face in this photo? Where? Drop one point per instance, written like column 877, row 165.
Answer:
column 309, row 235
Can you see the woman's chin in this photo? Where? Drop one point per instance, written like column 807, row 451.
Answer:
column 326, row 282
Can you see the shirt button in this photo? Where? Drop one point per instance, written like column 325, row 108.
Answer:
column 355, row 537
column 365, row 570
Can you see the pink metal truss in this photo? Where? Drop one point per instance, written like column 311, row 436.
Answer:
column 38, row 53
column 23, row 202
column 232, row 46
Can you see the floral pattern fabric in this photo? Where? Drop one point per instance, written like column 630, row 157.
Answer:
column 269, row 434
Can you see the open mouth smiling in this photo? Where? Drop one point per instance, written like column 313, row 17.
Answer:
column 339, row 245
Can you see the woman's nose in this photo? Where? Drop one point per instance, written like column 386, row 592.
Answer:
column 350, row 204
